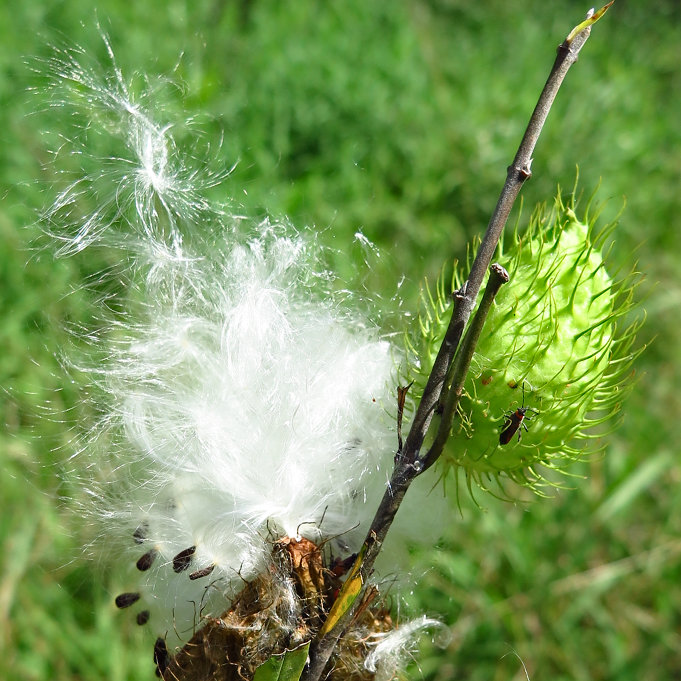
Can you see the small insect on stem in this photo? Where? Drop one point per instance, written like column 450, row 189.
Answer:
column 516, row 421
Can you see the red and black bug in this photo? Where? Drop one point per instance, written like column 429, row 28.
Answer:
column 516, row 421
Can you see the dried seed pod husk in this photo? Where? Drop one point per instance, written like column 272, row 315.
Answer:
column 279, row 610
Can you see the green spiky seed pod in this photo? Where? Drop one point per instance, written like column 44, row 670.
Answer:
column 552, row 344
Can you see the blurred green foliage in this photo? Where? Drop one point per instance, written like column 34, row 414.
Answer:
column 396, row 119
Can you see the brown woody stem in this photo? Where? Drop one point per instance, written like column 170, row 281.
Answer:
column 497, row 277
column 408, row 465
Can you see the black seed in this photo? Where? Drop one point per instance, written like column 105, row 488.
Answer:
column 127, row 599
column 145, row 562
column 140, row 534
column 183, row 559
column 143, row 617
column 204, row 572
column 161, row 657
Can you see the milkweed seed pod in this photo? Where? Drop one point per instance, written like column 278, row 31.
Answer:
column 555, row 351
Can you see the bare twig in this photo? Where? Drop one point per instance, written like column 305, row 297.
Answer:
column 408, row 463
column 518, row 172
column 497, row 277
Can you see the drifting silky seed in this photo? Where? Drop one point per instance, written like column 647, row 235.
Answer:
column 161, row 657
column 204, row 572
column 143, row 617
column 183, row 559
column 140, row 534
column 147, row 560
column 127, row 599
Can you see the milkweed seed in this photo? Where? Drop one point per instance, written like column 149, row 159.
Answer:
column 204, row 572
column 143, row 617
column 183, row 559
column 146, row 561
column 127, row 599
column 161, row 657
column 140, row 534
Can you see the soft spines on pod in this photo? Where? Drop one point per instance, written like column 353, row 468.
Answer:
column 554, row 347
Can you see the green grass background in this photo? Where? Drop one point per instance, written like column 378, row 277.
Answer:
column 397, row 119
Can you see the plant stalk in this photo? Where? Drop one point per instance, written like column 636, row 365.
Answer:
column 498, row 276
column 407, row 464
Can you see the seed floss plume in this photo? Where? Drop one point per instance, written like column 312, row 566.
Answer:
column 244, row 406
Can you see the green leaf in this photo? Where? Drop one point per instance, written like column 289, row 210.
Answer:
column 636, row 483
column 348, row 593
column 588, row 22
column 286, row 667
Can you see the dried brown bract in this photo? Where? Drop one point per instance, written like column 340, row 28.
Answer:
column 279, row 610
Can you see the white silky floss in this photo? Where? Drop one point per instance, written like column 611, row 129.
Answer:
column 241, row 398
